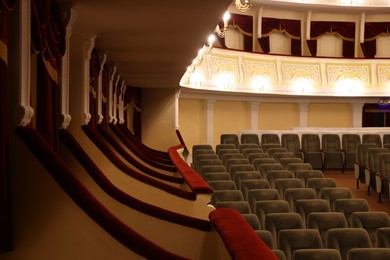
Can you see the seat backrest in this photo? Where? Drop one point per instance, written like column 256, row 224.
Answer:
column 345, row 239
column 250, row 139
column 294, row 239
column 306, row 206
column 252, row 220
column 273, row 150
column 372, row 138
column 266, row 236
column 368, row 253
column 264, row 207
column 228, row 156
column 256, row 195
column 384, row 164
column 319, row 183
column 252, row 156
column 226, row 195
column 370, row 221
column 223, row 151
column 250, row 184
column 224, row 146
column 331, row 143
column 248, row 151
column 282, row 184
column 305, row 175
column 286, row 161
column 240, row 168
column 211, row 168
column 323, row 221
column 230, row 139
column 273, row 175
column 240, row 176
column 291, row 142
column 349, row 206
column 274, row 222
column 223, row 185
column 291, row 195
column 258, row 161
column 240, row 206
column 372, row 157
column 382, row 237
column 361, row 152
column 318, row 254
column 310, row 143
column 386, row 139
column 244, row 146
column 270, row 138
column 266, row 167
column 349, row 142
column 295, row 167
column 332, row 194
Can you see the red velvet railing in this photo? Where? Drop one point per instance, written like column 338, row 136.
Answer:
column 86, row 201
column 192, row 178
column 134, row 161
column 238, row 236
column 99, row 177
column 101, row 144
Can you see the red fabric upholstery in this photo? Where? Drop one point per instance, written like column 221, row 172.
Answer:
column 238, row 236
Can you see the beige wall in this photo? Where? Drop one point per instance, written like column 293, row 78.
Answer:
column 278, row 116
column 330, row 115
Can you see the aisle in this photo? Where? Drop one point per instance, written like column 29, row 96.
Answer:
column 347, row 179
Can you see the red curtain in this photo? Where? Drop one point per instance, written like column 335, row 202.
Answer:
column 292, row 28
column 48, row 40
column 244, row 24
column 346, row 30
column 5, row 178
column 372, row 31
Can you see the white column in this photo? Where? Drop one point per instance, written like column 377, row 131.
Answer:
column 115, row 98
column 26, row 111
column 303, row 108
column 357, row 111
column 177, row 96
column 99, row 96
column 121, row 103
column 88, row 44
column 254, row 115
column 111, row 96
column 210, row 121
column 65, row 70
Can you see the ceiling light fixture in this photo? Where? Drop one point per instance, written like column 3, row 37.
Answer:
column 221, row 33
column 243, row 7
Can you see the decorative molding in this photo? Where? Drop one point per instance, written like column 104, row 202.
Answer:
column 177, row 96
column 121, row 103
column 70, row 15
column 111, row 105
column 26, row 112
column 88, row 45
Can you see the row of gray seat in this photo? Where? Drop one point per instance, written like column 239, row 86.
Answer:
column 277, row 199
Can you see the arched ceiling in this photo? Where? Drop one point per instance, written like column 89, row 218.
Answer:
column 152, row 42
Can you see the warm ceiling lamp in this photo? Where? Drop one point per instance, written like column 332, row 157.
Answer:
column 243, row 7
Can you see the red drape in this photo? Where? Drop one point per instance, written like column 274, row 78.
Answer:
column 244, row 24
column 346, row 30
column 372, row 31
column 48, row 40
column 5, row 178
column 292, row 28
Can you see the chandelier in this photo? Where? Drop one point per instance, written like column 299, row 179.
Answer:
column 243, row 7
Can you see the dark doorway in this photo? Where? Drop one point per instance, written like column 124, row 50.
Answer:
column 375, row 115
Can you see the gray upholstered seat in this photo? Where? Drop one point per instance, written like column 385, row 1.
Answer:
column 279, row 155
column 216, row 176
column 258, row 161
column 250, row 139
column 273, row 175
column 286, row 161
column 230, row 162
column 304, row 175
column 311, row 149
column 292, row 143
column 372, row 138
column 319, row 183
column 223, row 185
column 256, row 195
column 198, row 152
column 230, row 139
column 270, row 138
column 332, row 194
column 240, row 176
column 344, row 239
column 295, row 167
column 252, row 156
column 211, row 168
column 274, row 222
column 252, row 220
column 372, row 166
column 349, row 206
column 282, row 184
column 382, row 176
column 360, row 162
column 234, row 168
column 244, row 146
column 273, row 150
column 250, row 184
column 226, row 195
column 240, row 206
column 264, row 207
column 294, row 239
column 349, row 144
column 223, row 151
column 317, row 254
column 306, row 206
column 333, row 155
column 228, row 156
column 291, row 195
column 370, row 221
column 224, row 146
column 323, row 221
column 266, row 167
column 248, row 151
column 267, row 238
column 382, row 237
column 368, row 253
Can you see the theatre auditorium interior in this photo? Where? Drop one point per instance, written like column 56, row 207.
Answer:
column 195, row 129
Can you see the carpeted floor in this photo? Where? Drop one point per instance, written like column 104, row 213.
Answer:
column 347, row 179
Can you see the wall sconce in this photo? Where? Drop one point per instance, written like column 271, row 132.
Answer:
column 243, row 7
column 221, row 33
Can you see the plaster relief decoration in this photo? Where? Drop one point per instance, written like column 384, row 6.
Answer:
column 259, row 75
column 301, row 77
column 225, row 72
column 384, row 76
column 349, row 79
column 198, row 72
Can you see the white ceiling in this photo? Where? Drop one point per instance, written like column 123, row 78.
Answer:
column 151, row 41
